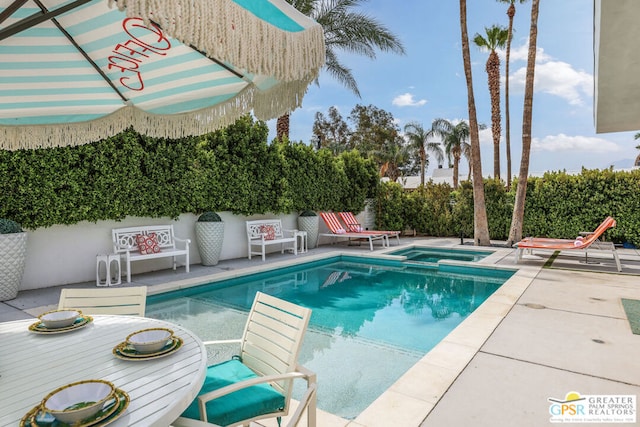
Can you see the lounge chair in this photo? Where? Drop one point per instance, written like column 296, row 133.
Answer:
column 129, row 300
column 337, row 230
column 354, row 226
column 591, row 241
column 257, row 383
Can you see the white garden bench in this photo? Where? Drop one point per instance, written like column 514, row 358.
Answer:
column 265, row 232
column 125, row 243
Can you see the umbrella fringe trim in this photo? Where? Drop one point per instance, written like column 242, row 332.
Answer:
column 269, row 104
column 251, row 46
column 250, row 43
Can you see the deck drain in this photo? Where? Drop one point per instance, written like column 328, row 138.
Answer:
column 596, row 299
column 536, row 306
column 597, row 341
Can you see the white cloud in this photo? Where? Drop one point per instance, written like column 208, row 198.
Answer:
column 521, row 53
column 552, row 77
column 486, row 136
column 562, row 142
column 406, row 100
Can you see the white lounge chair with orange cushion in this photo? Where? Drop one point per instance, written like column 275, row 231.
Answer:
column 337, row 230
column 258, row 382
column 354, row 226
column 590, row 242
column 129, row 300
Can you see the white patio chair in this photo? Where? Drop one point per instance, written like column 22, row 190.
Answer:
column 257, row 383
column 293, row 421
column 126, row 300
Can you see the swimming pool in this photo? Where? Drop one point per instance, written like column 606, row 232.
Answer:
column 372, row 319
column 432, row 255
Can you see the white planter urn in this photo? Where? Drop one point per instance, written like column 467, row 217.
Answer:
column 209, row 237
column 310, row 225
column 13, row 254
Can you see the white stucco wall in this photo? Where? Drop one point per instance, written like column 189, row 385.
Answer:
column 62, row 254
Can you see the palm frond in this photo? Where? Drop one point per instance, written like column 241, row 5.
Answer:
column 348, row 30
column 341, row 73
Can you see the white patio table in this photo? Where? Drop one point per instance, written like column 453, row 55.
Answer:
column 32, row 365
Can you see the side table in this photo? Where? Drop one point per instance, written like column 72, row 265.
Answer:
column 110, row 264
column 302, row 235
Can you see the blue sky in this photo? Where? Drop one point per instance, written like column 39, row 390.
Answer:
column 428, row 82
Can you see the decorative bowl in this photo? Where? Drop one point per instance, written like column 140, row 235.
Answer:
column 78, row 401
column 59, row 318
column 149, row 340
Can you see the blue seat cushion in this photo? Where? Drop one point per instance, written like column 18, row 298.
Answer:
column 239, row 405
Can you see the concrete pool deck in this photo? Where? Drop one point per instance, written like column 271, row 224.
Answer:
column 545, row 333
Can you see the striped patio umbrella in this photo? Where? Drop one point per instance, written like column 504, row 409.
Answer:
column 75, row 71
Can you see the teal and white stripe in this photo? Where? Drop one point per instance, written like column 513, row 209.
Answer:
column 50, row 95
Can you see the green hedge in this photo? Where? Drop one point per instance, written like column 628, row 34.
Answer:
column 558, row 205
column 319, row 181
column 234, row 169
column 237, row 170
column 562, row 205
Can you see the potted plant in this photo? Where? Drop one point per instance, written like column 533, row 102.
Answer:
column 308, row 221
column 209, row 237
column 13, row 254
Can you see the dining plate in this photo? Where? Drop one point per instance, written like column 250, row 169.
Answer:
column 127, row 352
column 39, row 328
column 37, row 417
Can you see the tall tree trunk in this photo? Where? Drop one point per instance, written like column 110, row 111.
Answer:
column 282, row 126
column 480, row 223
column 515, row 233
column 423, row 160
column 493, row 74
column 511, row 12
column 456, row 169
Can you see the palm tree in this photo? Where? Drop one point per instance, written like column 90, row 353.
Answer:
column 515, row 233
column 496, row 38
column 454, row 139
column 347, row 30
column 419, row 141
column 392, row 157
column 637, row 161
column 511, row 12
column 466, row 152
column 480, row 222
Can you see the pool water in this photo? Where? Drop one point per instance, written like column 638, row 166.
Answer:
column 424, row 254
column 370, row 322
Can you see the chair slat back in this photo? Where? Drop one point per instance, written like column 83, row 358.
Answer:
column 351, row 222
column 124, row 238
column 332, row 222
column 273, row 337
column 255, row 228
column 123, row 301
column 608, row 223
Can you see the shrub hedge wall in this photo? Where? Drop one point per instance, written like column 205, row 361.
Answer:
column 557, row 205
column 237, row 170
column 234, row 169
